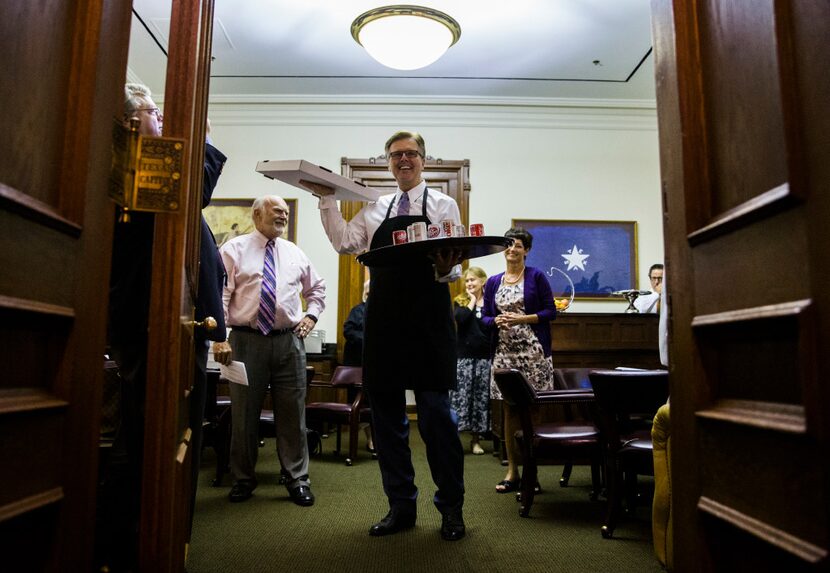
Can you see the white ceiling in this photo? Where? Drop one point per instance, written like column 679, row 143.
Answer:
column 272, row 50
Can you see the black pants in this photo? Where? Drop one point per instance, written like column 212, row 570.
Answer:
column 196, row 420
column 439, row 430
column 118, row 506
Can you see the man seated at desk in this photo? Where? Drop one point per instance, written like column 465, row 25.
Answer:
column 650, row 303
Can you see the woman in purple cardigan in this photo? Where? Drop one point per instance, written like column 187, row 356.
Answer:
column 518, row 308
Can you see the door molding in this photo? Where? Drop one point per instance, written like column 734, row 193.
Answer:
column 449, row 176
column 167, row 454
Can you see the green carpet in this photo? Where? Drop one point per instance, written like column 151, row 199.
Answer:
column 269, row 533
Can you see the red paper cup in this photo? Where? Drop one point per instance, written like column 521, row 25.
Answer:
column 476, row 230
column 399, row 237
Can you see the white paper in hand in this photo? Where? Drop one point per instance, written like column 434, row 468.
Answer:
column 234, row 372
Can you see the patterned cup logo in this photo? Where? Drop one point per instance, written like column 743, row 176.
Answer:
column 433, row 231
column 446, row 227
column 399, row 237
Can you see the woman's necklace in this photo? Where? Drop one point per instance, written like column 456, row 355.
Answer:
column 513, row 279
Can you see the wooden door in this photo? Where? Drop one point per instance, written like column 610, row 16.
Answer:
column 61, row 90
column 742, row 92
column 450, row 177
column 167, row 453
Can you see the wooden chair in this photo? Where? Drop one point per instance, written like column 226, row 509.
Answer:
column 350, row 413
column 564, row 379
column 267, row 423
column 218, row 416
column 573, row 379
column 626, row 402
column 268, row 426
column 565, row 442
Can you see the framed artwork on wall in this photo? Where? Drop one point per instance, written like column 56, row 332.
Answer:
column 599, row 257
column 229, row 218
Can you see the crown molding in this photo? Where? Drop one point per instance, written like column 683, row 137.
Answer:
column 530, row 113
column 358, row 99
column 132, row 77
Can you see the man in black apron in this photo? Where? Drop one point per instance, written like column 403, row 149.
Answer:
column 409, row 339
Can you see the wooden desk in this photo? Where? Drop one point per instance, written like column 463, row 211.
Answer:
column 594, row 340
column 320, row 389
column 604, row 340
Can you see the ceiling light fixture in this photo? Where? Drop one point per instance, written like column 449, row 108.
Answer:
column 405, row 37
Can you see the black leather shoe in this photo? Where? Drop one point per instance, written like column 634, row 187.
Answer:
column 241, row 491
column 301, row 495
column 394, row 522
column 452, row 526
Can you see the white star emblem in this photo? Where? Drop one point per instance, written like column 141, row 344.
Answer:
column 575, row 259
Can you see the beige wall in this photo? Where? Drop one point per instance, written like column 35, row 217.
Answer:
column 563, row 161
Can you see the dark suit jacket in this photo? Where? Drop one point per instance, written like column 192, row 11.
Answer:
column 538, row 301
column 211, row 269
column 132, row 266
column 353, row 333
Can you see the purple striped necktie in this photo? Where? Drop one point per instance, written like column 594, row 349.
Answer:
column 268, row 295
column 403, row 206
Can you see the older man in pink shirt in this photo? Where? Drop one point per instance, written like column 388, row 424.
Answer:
column 266, row 276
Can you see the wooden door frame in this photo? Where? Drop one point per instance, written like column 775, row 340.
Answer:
column 690, row 221
column 54, row 330
column 170, row 351
column 351, row 275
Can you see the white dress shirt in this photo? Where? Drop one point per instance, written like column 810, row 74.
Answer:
column 355, row 236
column 647, row 303
column 244, row 257
column 663, row 327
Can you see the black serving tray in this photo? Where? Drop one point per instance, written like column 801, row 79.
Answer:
column 400, row 255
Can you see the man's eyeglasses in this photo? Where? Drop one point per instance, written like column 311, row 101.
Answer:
column 409, row 154
column 151, row 110
column 656, row 279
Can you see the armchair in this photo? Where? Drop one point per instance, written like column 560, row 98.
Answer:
column 218, row 415
column 626, row 401
column 661, row 519
column 554, row 442
column 351, row 414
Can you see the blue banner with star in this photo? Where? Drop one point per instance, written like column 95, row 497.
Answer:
column 598, row 256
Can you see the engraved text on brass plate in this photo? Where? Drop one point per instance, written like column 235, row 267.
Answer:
column 146, row 171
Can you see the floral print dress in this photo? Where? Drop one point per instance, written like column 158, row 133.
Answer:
column 518, row 346
column 471, row 401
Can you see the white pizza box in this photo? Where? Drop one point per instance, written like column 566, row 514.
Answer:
column 291, row 171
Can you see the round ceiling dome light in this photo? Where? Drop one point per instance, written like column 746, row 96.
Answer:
column 405, row 37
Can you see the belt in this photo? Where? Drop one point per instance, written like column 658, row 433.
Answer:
column 255, row 331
